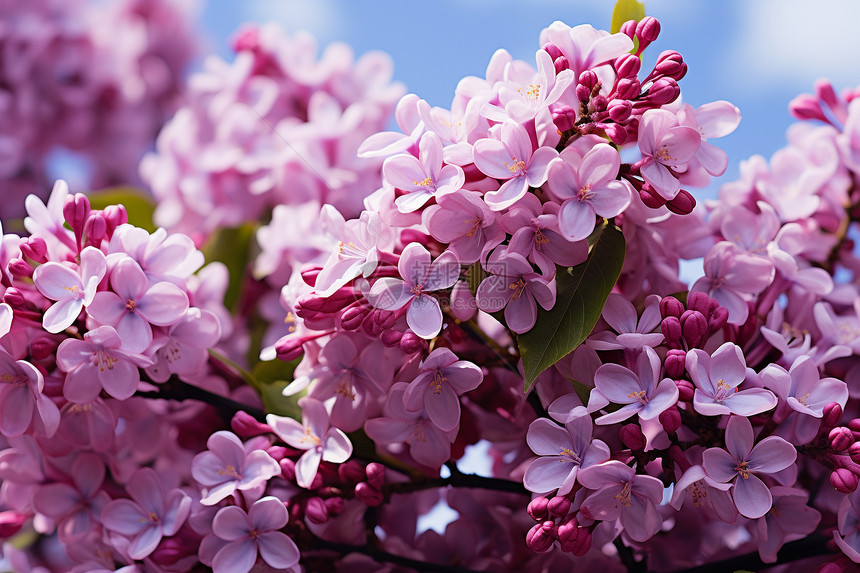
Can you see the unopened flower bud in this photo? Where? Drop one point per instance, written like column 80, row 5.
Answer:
column 582, row 543
column 682, row 204
column 670, row 419
column 288, row 469
column 597, row 104
column 171, row 550
column 411, row 343
column 843, row 480
column 628, row 88
column 316, row 510
column 351, row 472
column 541, row 537
column 564, row 118
column 246, row 426
column 589, row 79
column 675, row 363
column 310, row 274
column 854, row 452
column 95, row 228
column 76, row 209
column 560, row 64
column 115, row 215
column 42, row 347
column 840, row 438
column 568, row 531
column 553, row 50
column 699, row 301
column 558, row 506
column 15, row 298
column 628, row 28
column 11, row 523
column 616, row 133
column 650, row 197
column 277, row 453
column 671, row 329
column 368, row 494
column 670, row 64
column 538, row 508
column 335, row 505
column 648, row 29
column 391, row 338
column 686, row 390
column 19, row 268
column 627, row 66
column 833, row 567
column 632, row 437
column 35, row 249
column 352, row 317
column 583, row 94
column 832, row 414
column 671, row 306
column 718, row 319
column 619, row 110
column 375, row 474
column 806, row 107
column 663, row 91
column 695, row 327
column 289, row 347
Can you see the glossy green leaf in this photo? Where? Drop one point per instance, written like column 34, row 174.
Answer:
column 139, row 205
column 582, row 292
column 626, row 10
column 232, row 246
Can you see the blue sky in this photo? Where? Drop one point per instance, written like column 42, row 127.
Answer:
column 758, row 55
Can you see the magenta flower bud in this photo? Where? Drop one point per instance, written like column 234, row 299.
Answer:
column 582, row 543
column 316, row 510
column 310, row 274
column 568, row 531
column 76, row 210
column 670, row 420
column 597, row 103
column 15, row 298
column 843, row 480
column 650, row 197
column 589, row 79
column 336, row 302
column 352, row 317
column 19, row 268
column 671, row 329
column 616, row 133
column 375, row 475
column 832, row 567
column 411, row 343
column 560, row 64
column 854, row 424
column 840, row 438
column 35, row 249
column 682, row 204
column 558, row 506
column 832, row 413
column 391, row 338
column 541, row 537
column 685, row 390
column 246, row 426
column 289, row 348
column 619, row 110
column 369, row 495
column 825, row 92
column 695, row 327
column 173, row 549
column 11, row 523
column 632, row 437
column 699, row 301
column 351, row 472
column 383, row 319
column 719, row 317
column 675, row 363
column 806, row 107
column 538, row 508
column 553, row 50
column 96, row 227
column 335, row 505
column 647, row 29
column 627, row 66
column 288, row 469
column 670, row 64
column 628, row 88
column 854, row 452
column 42, row 347
column 628, row 28
column 317, row 482
column 564, row 118
column 663, row 91
column 278, row 453
column 671, row 306
column 115, row 215
column 583, row 94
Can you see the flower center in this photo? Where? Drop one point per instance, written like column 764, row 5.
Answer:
column 663, row 155
column 568, row 455
column 518, row 287
column 426, row 182
column 698, row 493
column 723, row 391
column 743, row 469
column 476, row 224
column 624, row 495
column 518, row 166
column 103, row 360
column 585, row 193
column 130, row 305
column 639, row 395
column 437, row 381
column 230, row 471
column 540, row 238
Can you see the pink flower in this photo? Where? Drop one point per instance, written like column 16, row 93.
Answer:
column 22, row 403
column 355, row 252
column 712, row 120
column 515, row 287
column 228, row 466
column 666, row 147
column 622, row 493
column 789, row 519
column 803, row 389
column 423, row 177
column 511, row 158
column 572, row 446
column 99, row 362
column 587, row 187
column 149, row 515
column 441, row 379
column 135, row 305
column 251, row 533
column 847, row 535
column 424, row 315
column 743, row 462
column 717, row 378
column 315, row 435
column 72, row 290
column 184, row 349
column 464, row 220
column 633, row 332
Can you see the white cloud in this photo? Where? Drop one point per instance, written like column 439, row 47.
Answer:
column 319, row 17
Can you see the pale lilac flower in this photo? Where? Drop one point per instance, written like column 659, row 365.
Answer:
column 422, row 177
column 251, row 533
column 22, row 403
column 585, row 47
column 704, row 494
column 228, row 466
column 442, row 377
column 802, row 388
column 789, row 519
column 712, row 120
column 149, row 515
column 587, row 187
column 641, row 392
column 666, row 148
column 315, row 435
column 6, row 315
column 72, row 290
column 512, row 158
column 515, row 287
column 355, row 251
column 99, row 362
column 184, row 348
column 428, row 445
column 717, row 377
column 161, row 257
column 424, row 315
column 847, row 535
column 743, row 461
column 622, row 493
column 135, row 305
column 46, row 220
column 563, row 452
column 464, row 220
column 633, row 332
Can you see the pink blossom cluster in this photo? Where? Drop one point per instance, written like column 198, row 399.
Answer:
column 96, row 80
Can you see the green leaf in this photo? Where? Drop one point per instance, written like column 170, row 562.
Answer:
column 232, row 246
column 582, row 292
column 626, row 10
column 139, row 205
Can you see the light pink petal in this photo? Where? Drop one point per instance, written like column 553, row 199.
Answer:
column 178, row 509
column 107, row 308
column 62, row 314
column 56, row 281
column 600, row 165
column 619, row 313
column 128, row 280
column 713, row 159
column 509, row 193
column 521, row 313
column 751, row 401
column 620, row 414
column 289, row 430
column 547, row 439
column 268, row 514
column 163, row 304
column 576, row 219
column 402, row 171
column 739, row 437
column 493, row 293
column 611, row 198
column 641, row 520
column 617, row 383
column 235, row 557
column 663, row 398
column 661, row 179
column 444, row 272
column 56, row 500
column 752, row 497
column 17, row 412
column 337, row 448
column 492, row 158
column 604, row 504
column 145, row 542
column 705, row 405
column 443, row 407
column 125, row 517
column 388, row 430
column 413, row 200
column 463, row 376
column 562, row 179
column 547, row 474
column 424, row 316
column 414, row 264
column 719, row 464
column 727, row 365
column 306, row 467
column 718, row 118
column 136, row 333
column 771, row 455
column 231, row 523
column 389, row 294
column 681, row 143
column 121, row 380
column 538, row 169
column 278, row 550
column 434, row 447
